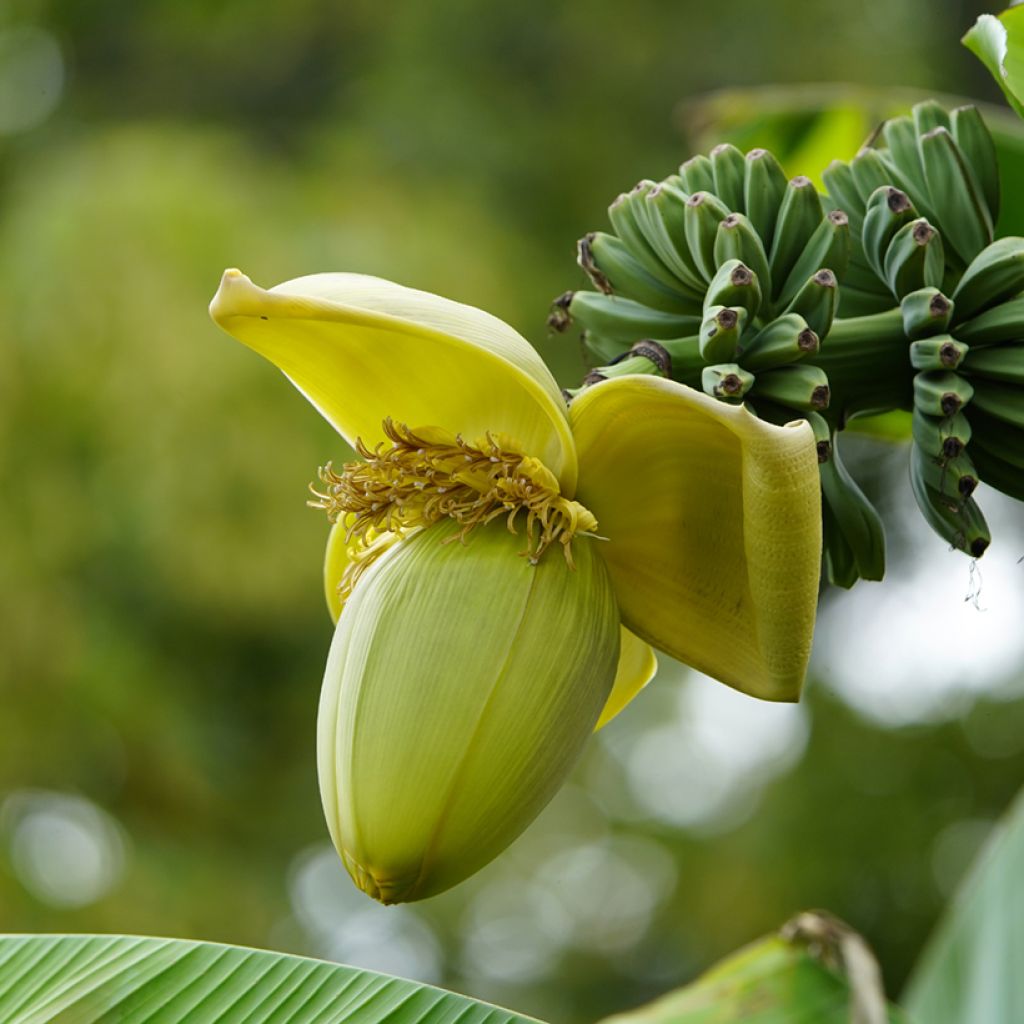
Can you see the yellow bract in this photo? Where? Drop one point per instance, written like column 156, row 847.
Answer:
column 464, row 677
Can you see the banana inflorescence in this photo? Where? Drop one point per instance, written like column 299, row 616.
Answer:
column 887, row 292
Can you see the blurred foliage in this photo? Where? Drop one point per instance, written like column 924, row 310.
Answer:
column 163, row 630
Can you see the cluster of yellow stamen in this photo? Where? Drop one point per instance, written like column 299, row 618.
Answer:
column 415, row 479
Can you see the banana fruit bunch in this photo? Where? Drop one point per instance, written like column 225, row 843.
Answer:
column 922, row 198
column 968, row 399
column 728, row 277
column 730, row 268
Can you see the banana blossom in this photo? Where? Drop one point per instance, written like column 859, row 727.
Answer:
column 463, row 679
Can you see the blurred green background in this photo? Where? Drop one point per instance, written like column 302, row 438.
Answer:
column 163, row 630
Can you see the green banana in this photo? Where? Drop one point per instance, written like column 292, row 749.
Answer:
column 1002, row 362
column 979, row 152
column 720, row 333
column 1003, row 401
column 939, row 393
column 842, row 191
column 960, row 209
column 1004, row 322
column 1005, row 440
column 625, row 320
column 697, row 175
column 686, row 360
column 736, row 239
column 901, row 137
column 957, row 520
column 941, row 437
column 800, row 386
column 887, row 210
column 993, row 276
column 704, row 212
column 799, row 216
column 624, row 214
column 726, row 381
column 998, row 473
column 613, row 270
column 764, row 186
column 939, row 353
column 817, row 302
column 666, row 219
column 728, row 169
column 734, row 284
column 914, row 258
column 871, row 172
column 783, row 341
column 827, row 249
column 926, row 312
column 927, row 115
column 956, row 478
column 854, row 538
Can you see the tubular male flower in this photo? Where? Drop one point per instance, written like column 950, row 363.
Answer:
column 499, row 566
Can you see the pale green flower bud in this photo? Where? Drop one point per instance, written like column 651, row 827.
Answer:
column 462, row 683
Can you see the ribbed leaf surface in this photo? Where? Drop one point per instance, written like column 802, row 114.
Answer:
column 83, row 979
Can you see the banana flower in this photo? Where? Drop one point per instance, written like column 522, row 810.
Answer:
column 501, row 566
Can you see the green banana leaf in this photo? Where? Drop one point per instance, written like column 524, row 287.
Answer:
column 816, row 971
column 88, row 979
column 999, row 43
column 973, row 966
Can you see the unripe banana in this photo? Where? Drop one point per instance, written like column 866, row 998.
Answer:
column 728, row 170
column 914, row 259
column 817, row 302
column 979, row 152
column 901, row 137
column 458, row 695
column 926, row 312
column 625, row 320
column 785, row 340
column 941, row 393
column 720, row 333
column 728, row 382
column 939, row 353
column 686, row 360
column 956, row 478
column 842, row 191
column 1004, row 322
column 1002, row 439
column 854, row 538
column 799, row 217
column 704, row 212
column 801, row 386
column 666, row 217
column 1003, row 401
column 871, row 172
column 736, row 239
column 1001, row 362
column 993, row 276
column 941, row 437
column 734, row 284
column 998, row 472
column 763, row 189
column 611, row 267
column 956, row 199
column 828, row 248
column 629, row 221
column 888, row 209
column 697, row 175
column 929, row 114
column 957, row 520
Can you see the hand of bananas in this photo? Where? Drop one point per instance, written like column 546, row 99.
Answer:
column 889, row 292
